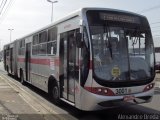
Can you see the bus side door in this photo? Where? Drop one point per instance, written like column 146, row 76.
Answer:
column 27, row 61
column 11, row 60
column 68, row 69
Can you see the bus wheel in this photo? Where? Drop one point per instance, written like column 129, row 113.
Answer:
column 55, row 94
column 22, row 79
column 7, row 70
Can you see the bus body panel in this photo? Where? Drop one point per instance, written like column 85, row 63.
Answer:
column 69, row 25
column 90, row 101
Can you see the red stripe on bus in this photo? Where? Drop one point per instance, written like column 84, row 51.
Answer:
column 56, row 62
column 48, row 61
column 40, row 61
column 36, row 61
column 21, row 59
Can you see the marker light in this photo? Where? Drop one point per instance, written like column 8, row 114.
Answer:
column 149, row 87
column 100, row 91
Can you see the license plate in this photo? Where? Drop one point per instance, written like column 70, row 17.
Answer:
column 121, row 91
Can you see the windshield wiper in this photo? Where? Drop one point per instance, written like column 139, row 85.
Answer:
column 108, row 45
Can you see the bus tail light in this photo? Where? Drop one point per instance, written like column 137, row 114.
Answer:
column 148, row 87
column 100, row 91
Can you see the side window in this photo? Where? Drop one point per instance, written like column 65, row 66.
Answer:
column 42, row 49
column 21, row 49
column 35, row 39
column 45, row 43
column 52, row 48
column 43, row 37
column 42, row 43
column 7, row 50
column 52, row 34
column 35, row 43
column 35, row 50
column 23, row 43
column 52, row 41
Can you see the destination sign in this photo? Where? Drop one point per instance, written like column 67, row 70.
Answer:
column 119, row 18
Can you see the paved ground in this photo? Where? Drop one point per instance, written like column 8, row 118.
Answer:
column 16, row 104
column 11, row 103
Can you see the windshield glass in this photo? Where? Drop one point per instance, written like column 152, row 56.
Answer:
column 121, row 51
column 121, row 54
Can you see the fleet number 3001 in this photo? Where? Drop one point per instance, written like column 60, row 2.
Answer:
column 121, row 91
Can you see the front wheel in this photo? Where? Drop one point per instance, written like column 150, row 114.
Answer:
column 55, row 94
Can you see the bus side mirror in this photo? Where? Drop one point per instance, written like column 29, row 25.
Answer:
column 79, row 40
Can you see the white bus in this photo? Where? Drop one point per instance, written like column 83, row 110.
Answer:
column 95, row 58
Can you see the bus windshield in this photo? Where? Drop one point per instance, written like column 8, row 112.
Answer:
column 122, row 49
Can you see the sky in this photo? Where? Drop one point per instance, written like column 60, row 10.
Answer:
column 26, row 16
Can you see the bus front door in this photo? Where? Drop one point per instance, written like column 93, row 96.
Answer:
column 27, row 61
column 68, row 65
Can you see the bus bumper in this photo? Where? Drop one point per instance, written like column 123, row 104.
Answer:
column 91, row 102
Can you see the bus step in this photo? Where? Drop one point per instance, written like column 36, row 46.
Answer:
column 69, row 102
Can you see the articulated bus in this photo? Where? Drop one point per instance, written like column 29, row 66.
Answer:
column 94, row 58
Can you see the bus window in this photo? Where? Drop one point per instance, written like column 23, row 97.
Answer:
column 23, row 43
column 35, row 39
column 21, row 49
column 43, row 37
column 52, row 48
column 35, row 50
column 43, row 49
column 52, row 41
column 52, row 34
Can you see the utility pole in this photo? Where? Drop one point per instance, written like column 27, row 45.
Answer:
column 10, row 34
column 52, row 9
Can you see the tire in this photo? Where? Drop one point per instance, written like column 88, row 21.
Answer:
column 7, row 70
column 22, row 79
column 55, row 95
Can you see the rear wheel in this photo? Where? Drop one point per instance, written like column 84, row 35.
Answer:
column 7, row 70
column 22, row 79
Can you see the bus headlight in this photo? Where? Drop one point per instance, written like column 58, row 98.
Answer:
column 149, row 87
column 100, row 91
